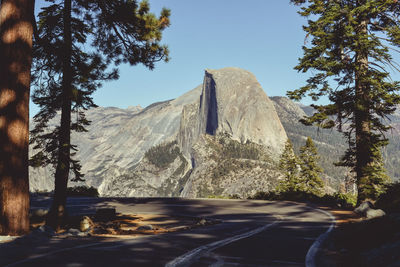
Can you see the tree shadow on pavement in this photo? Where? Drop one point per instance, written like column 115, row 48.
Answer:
column 286, row 243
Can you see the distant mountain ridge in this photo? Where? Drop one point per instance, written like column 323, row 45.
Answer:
column 330, row 143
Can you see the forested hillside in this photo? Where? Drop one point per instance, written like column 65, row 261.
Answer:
column 330, row 143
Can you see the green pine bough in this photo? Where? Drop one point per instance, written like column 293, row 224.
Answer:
column 300, row 173
column 348, row 52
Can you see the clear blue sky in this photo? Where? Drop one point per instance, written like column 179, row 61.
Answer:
column 261, row 36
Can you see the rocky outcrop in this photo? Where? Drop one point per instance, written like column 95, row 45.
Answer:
column 230, row 102
column 288, row 111
column 189, row 128
column 226, row 167
column 148, row 179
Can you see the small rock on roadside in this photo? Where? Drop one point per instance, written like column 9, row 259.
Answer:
column 202, row 222
column 366, row 210
column 363, row 208
column 75, row 232
column 85, row 224
column 145, row 227
column 372, row 213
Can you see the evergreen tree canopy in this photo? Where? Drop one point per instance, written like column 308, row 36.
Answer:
column 102, row 33
column 309, row 169
column 288, row 163
column 349, row 56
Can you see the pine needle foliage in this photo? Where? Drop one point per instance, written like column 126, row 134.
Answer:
column 103, row 34
column 288, row 164
column 348, row 53
column 310, row 171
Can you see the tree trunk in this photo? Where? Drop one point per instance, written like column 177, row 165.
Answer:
column 15, row 64
column 362, row 118
column 58, row 212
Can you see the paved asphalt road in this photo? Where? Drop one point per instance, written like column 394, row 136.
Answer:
column 251, row 233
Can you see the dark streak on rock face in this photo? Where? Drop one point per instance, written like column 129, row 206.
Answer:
column 212, row 116
column 208, row 106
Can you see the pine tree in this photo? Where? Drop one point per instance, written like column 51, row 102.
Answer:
column 288, row 164
column 65, row 73
column 378, row 178
column 15, row 63
column 349, row 58
column 309, row 169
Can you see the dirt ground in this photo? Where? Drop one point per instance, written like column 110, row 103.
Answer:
column 345, row 216
column 125, row 225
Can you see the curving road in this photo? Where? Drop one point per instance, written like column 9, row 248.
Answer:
column 251, row 233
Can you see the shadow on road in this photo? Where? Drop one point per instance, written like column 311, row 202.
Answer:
column 285, row 244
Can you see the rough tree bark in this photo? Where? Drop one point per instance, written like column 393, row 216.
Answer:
column 58, row 211
column 362, row 118
column 15, row 63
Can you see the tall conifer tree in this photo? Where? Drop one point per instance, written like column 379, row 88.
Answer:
column 15, row 64
column 350, row 59
column 288, row 163
column 65, row 74
column 310, row 171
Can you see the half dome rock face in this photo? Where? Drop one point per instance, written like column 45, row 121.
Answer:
column 171, row 148
column 232, row 101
